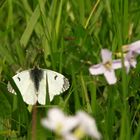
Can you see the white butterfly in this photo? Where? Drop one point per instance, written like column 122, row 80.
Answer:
column 33, row 83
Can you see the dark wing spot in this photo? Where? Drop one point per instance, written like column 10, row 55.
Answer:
column 55, row 77
column 18, row 78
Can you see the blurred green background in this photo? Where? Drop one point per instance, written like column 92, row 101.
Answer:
column 66, row 36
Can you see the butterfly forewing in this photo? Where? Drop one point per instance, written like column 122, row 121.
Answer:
column 26, row 87
column 42, row 89
column 57, row 83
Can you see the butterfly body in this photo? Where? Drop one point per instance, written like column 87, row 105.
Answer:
column 36, row 76
column 34, row 83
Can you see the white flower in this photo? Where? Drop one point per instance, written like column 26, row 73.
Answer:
column 130, row 60
column 58, row 122
column 107, row 66
column 132, row 50
column 71, row 127
column 88, row 125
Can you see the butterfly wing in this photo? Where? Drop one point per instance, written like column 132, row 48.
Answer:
column 56, row 84
column 25, row 86
column 42, row 90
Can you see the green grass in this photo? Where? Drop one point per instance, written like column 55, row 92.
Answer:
column 67, row 36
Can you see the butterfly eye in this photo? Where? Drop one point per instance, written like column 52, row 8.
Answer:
column 18, row 78
column 55, row 77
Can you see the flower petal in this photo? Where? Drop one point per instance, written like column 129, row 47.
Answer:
column 69, row 124
column 70, row 136
column 97, row 69
column 106, row 55
column 135, row 47
column 116, row 64
column 130, row 60
column 56, row 114
column 133, row 63
column 47, row 124
column 55, row 117
column 88, row 125
column 110, row 76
